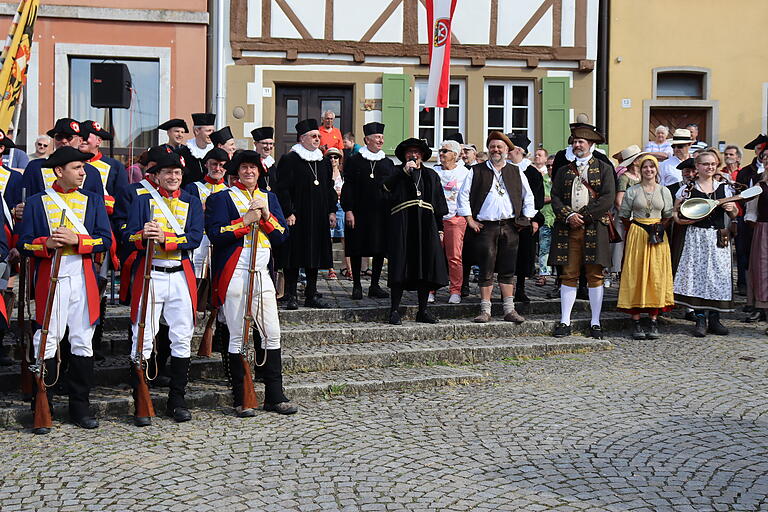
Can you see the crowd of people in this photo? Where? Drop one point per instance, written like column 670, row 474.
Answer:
column 199, row 225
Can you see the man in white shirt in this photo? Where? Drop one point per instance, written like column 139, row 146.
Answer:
column 497, row 202
column 202, row 129
column 681, row 145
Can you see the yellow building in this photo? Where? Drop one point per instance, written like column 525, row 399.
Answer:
column 679, row 62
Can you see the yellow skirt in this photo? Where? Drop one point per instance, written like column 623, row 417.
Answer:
column 646, row 275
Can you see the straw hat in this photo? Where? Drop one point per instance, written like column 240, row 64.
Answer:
column 626, row 156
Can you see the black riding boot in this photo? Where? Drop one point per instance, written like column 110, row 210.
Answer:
column 236, row 376
column 274, row 398
column 98, row 332
column 161, row 355
column 80, row 383
column 221, row 345
column 177, row 406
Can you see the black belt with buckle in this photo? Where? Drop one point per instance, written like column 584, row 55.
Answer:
column 168, row 270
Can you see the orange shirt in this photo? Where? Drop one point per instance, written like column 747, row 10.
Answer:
column 331, row 138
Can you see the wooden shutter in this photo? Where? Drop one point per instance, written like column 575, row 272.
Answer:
column 395, row 109
column 555, row 112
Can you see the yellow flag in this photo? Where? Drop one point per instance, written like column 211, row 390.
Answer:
column 15, row 58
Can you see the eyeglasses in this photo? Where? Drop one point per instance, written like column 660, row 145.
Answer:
column 444, row 151
column 335, row 157
column 41, row 145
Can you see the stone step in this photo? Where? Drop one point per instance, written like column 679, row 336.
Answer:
column 117, row 402
column 346, row 356
column 356, row 331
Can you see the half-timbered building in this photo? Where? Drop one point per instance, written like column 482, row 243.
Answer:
column 517, row 65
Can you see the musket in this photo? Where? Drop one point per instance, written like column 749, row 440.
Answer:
column 249, row 394
column 24, row 337
column 42, row 407
column 144, row 407
column 206, row 344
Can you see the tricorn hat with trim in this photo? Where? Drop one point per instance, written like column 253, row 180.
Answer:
column 587, row 132
column 166, row 161
column 65, row 126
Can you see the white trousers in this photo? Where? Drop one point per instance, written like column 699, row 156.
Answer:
column 70, row 309
column 169, row 298
column 263, row 309
column 199, row 255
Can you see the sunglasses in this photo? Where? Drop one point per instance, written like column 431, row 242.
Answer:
column 444, row 151
column 42, row 145
column 63, row 136
column 335, row 157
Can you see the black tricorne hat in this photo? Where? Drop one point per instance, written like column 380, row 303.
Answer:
column 65, row 126
column 203, row 119
column 373, row 128
column 307, row 125
column 241, row 157
column 520, row 140
column 265, row 132
column 174, row 123
column 217, row 154
column 165, row 161
column 420, row 144
column 458, row 137
column 88, row 127
column 757, row 141
column 65, row 155
column 688, row 163
column 6, row 141
column 222, row 136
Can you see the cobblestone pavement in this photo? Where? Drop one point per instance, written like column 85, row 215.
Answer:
column 678, row 424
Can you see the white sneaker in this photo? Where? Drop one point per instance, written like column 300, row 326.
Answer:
column 431, row 298
column 455, row 298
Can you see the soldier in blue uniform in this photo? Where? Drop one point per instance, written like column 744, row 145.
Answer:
column 76, row 306
column 176, row 228
column 238, row 221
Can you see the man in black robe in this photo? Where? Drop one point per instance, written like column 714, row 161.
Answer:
column 308, row 199
column 366, row 212
column 264, row 145
column 417, row 206
column 527, row 248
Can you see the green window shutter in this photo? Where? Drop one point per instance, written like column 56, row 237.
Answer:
column 395, row 109
column 555, row 112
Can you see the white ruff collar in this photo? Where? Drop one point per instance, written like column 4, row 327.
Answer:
column 305, row 154
column 196, row 151
column 370, row 155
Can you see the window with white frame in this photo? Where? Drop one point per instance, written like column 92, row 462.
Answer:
column 435, row 124
column 509, row 107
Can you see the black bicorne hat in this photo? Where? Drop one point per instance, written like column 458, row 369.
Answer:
column 65, row 155
column 174, row 123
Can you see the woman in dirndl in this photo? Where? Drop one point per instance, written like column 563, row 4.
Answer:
column 703, row 279
column 757, row 278
column 646, row 282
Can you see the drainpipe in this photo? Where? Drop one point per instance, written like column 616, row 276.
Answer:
column 216, row 96
column 603, row 62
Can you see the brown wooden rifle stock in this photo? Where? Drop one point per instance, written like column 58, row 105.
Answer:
column 144, row 407
column 206, row 344
column 249, row 394
column 42, row 407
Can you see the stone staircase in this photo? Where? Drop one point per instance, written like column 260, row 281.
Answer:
column 348, row 349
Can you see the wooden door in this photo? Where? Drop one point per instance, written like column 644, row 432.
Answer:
column 674, row 118
column 295, row 103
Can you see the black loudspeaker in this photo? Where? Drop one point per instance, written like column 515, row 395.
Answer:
column 110, row 85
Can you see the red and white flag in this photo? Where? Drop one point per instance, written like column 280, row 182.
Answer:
column 439, row 16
